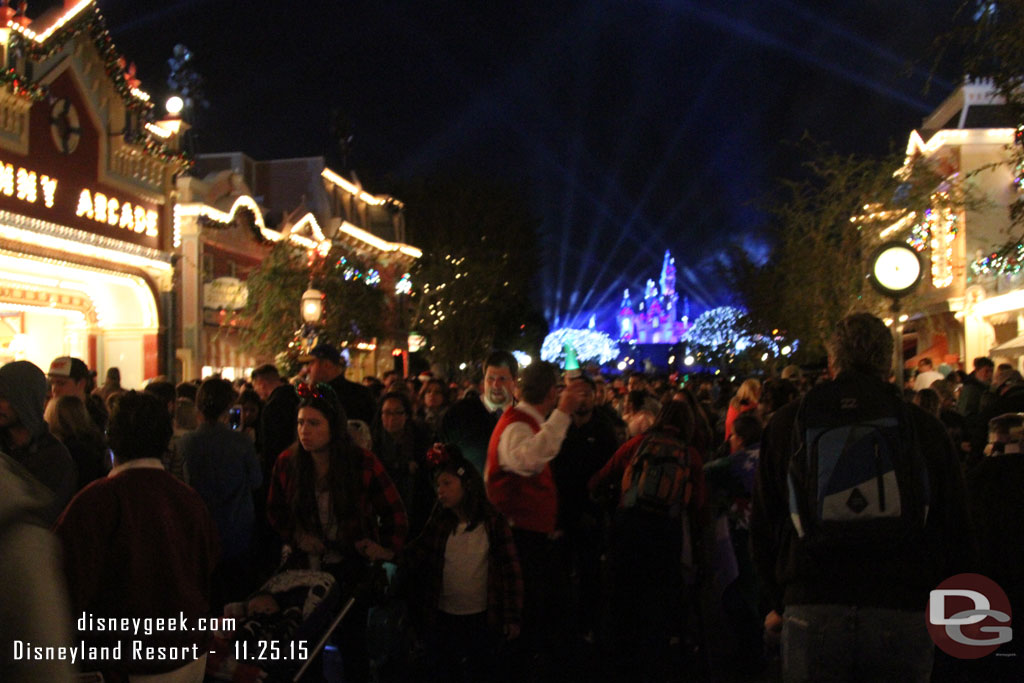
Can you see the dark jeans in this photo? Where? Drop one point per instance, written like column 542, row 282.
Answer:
column 582, row 547
column 849, row 643
column 541, row 644
column 646, row 598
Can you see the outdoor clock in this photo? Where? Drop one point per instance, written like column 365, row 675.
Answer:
column 895, row 269
column 64, row 126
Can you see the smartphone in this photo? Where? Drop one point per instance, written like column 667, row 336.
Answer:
column 235, row 417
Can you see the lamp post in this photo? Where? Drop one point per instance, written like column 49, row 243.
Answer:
column 896, row 271
column 312, row 309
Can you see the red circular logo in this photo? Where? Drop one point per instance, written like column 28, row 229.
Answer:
column 969, row 616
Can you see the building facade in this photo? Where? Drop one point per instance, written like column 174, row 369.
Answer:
column 971, row 300
column 85, row 248
column 227, row 217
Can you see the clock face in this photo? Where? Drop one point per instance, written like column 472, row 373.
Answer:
column 896, row 268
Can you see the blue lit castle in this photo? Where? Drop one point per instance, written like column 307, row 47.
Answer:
column 656, row 319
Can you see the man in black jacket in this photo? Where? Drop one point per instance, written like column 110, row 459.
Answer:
column 327, row 365
column 976, row 384
column 277, row 419
column 855, row 610
column 468, row 423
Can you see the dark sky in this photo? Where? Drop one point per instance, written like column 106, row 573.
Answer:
column 636, row 126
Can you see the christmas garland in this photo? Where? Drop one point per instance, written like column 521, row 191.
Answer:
column 160, row 151
column 113, row 63
column 90, row 20
column 20, row 86
column 208, row 222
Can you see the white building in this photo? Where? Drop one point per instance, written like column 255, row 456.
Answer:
column 969, row 304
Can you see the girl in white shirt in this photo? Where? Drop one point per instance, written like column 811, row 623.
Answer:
column 472, row 590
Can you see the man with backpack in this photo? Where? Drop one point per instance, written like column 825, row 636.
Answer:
column 858, row 513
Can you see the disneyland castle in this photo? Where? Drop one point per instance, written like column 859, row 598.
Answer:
column 655, row 320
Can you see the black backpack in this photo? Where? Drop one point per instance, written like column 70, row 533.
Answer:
column 857, row 475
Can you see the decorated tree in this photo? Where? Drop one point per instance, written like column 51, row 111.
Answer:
column 825, row 227
column 353, row 302
column 587, row 345
column 473, row 285
column 718, row 336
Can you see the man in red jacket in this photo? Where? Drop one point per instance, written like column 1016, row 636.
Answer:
column 521, row 486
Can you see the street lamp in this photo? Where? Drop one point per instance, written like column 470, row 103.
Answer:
column 895, row 272
column 312, row 305
column 174, row 105
column 312, row 309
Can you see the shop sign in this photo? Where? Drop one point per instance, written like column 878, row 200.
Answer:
column 225, row 293
column 113, row 212
column 41, row 192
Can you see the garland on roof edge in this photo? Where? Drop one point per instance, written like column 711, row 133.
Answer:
column 113, row 62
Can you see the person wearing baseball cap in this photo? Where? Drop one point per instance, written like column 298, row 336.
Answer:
column 70, row 377
column 326, row 364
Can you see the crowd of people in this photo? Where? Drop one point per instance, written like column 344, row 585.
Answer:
column 543, row 524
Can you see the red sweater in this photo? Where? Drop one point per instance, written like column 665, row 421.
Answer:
column 529, row 503
column 139, row 544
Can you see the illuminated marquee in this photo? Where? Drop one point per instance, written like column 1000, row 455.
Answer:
column 103, row 209
column 30, row 187
column 26, row 185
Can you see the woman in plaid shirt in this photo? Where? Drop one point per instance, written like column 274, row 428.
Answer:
column 470, row 585
column 334, row 504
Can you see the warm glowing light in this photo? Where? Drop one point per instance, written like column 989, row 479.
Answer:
column 353, row 189
column 25, row 185
column 68, row 16
column 158, row 131
column 377, row 242
column 901, row 223
column 916, row 144
column 116, row 297
column 78, row 242
column 312, row 305
column 689, row 360
column 309, row 220
column 103, row 209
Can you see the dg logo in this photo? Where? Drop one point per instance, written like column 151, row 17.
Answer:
column 969, row 616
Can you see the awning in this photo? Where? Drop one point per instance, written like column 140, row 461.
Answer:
column 1014, row 347
column 938, row 352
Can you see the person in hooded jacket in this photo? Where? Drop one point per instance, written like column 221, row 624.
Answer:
column 26, row 438
column 33, row 597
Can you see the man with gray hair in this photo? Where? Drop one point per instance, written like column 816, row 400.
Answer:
column 859, row 512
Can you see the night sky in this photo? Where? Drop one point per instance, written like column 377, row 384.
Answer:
column 635, row 126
